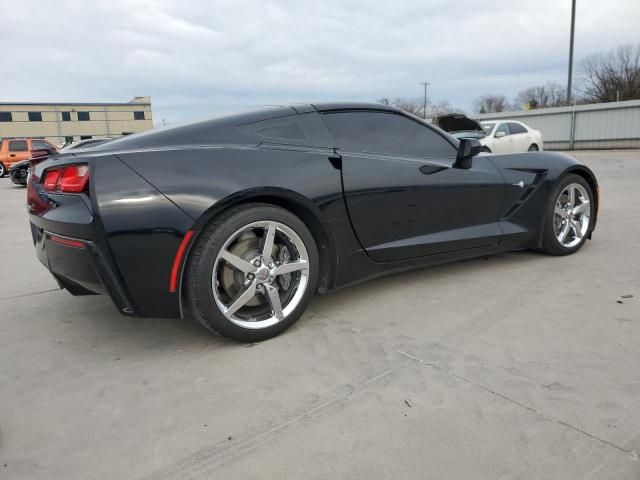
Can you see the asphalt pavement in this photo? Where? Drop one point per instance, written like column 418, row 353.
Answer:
column 519, row 366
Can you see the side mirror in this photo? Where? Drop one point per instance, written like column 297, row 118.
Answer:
column 468, row 148
column 499, row 134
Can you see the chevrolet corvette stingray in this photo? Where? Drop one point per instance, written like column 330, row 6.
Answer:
column 241, row 219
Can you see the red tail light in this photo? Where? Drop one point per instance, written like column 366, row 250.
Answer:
column 67, row 179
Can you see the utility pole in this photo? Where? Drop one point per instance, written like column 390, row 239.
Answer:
column 573, row 24
column 426, row 84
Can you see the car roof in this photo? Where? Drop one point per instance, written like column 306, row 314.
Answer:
column 501, row 120
column 325, row 106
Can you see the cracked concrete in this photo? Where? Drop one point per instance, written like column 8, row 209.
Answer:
column 520, row 366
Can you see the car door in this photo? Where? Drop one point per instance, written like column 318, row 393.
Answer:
column 18, row 151
column 502, row 141
column 404, row 197
column 519, row 136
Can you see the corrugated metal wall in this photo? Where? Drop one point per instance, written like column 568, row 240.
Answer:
column 594, row 126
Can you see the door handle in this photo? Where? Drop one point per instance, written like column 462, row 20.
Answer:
column 336, row 160
column 12, row 155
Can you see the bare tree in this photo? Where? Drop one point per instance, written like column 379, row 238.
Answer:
column 611, row 76
column 490, row 104
column 414, row 106
column 541, row 96
column 440, row 108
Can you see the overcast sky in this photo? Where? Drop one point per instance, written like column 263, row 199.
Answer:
column 196, row 58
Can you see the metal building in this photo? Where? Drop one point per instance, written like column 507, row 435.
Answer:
column 63, row 122
column 593, row 126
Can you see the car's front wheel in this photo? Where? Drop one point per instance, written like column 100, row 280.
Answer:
column 252, row 272
column 570, row 216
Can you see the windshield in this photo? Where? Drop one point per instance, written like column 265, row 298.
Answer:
column 487, row 126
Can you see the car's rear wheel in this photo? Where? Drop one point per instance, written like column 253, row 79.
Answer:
column 533, row 147
column 252, row 272
column 569, row 217
column 2, row 170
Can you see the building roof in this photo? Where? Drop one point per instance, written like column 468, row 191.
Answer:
column 134, row 101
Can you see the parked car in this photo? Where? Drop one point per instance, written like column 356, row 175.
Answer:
column 19, row 171
column 86, row 143
column 495, row 136
column 242, row 218
column 509, row 136
column 14, row 150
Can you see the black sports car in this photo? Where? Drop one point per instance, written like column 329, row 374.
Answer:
column 243, row 218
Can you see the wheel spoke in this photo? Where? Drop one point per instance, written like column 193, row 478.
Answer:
column 561, row 211
column 274, row 300
column 267, row 243
column 577, row 229
column 572, row 197
column 291, row 267
column 241, row 299
column 237, row 262
column 582, row 208
column 562, row 236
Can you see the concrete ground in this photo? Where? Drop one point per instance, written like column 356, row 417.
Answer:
column 517, row 366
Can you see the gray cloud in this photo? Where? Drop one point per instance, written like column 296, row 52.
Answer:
column 204, row 57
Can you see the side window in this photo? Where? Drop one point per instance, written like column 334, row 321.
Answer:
column 83, row 116
column 35, row 116
column 18, row 146
column 138, row 115
column 516, row 128
column 66, row 116
column 6, row 117
column 85, row 137
column 40, row 145
column 286, row 131
column 502, row 128
column 390, row 133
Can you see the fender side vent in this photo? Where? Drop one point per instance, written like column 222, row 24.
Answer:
column 533, row 186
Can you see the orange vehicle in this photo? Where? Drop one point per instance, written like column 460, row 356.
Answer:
column 14, row 150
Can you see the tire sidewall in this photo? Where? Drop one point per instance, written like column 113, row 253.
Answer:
column 199, row 288
column 551, row 244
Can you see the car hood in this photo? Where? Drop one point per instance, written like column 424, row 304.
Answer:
column 455, row 123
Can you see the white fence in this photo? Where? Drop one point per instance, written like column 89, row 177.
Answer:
column 594, row 126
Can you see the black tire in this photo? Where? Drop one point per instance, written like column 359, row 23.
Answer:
column 550, row 243
column 3, row 170
column 533, row 148
column 486, row 150
column 200, row 264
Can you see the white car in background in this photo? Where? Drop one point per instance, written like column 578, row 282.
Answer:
column 496, row 136
column 509, row 136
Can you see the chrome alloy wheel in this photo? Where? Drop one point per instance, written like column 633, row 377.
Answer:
column 260, row 274
column 571, row 215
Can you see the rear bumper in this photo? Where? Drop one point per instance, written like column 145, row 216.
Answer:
column 79, row 265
